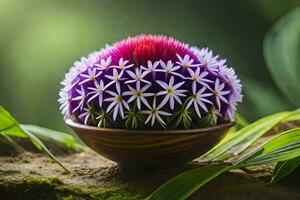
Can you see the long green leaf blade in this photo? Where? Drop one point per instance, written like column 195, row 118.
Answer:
column 284, row 168
column 282, row 50
column 40, row 145
column 282, row 147
column 11, row 127
column 186, row 183
column 261, row 96
column 58, row 136
column 246, row 136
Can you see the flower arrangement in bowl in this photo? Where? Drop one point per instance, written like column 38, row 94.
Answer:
column 150, row 100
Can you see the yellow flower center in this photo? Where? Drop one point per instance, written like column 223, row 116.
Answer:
column 138, row 93
column 206, row 63
column 119, row 98
column 195, row 78
column 153, row 111
column 170, row 90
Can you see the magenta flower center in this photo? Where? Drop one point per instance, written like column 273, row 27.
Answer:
column 139, row 50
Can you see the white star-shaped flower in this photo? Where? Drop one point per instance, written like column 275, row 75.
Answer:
column 198, row 77
column 219, row 94
column 97, row 91
column 123, row 64
column 104, row 63
column 169, row 68
column 81, row 97
column 137, row 76
column 77, row 68
column 138, row 94
column 86, row 115
column 115, row 78
column 117, row 103
column 171, row 92
column 90, row 60
column 198, row 99
column 151, row 67
column 208, row 60
column 81, row 65
column 71, row 84
column 154, row 113
column 186, row 61
column 64, row 101
column 91, row 76
column 231, row 77
column 231, row 109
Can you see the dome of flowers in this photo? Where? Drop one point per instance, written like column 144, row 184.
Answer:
column 150, row 81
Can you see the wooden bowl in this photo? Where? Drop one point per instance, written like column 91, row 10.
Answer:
column 150, row 148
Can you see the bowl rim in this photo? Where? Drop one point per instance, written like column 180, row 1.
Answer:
column 77, row 125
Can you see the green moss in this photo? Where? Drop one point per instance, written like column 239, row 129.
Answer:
column 115, row 194
column 52, row 188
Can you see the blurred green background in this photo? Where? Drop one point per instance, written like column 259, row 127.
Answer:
column 39, row 41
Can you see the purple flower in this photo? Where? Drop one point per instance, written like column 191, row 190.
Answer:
column 81, row 98
column 199, row 99
column 91, row 76
column 86, row 114
column 139, row 94
column 97, row 91
column 171, row 92
column 116, row 103
column 122, row 64
column 137, row 74
column 169, row 68
column 219, row 93
column 154, row 114
column 186, row 61
column 198, row 77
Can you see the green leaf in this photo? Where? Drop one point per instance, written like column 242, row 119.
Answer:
column 11, row 142
column 282, row 147
column 11, row 127
column 210, row 119
column 284, row 153
column 266, row 100
column 185, row 184
column 58, row 136
column 246, row 136
column 40, row 145
column 281, row 51
column 279, row 148
column 284, row 168
column 240, row 120
column 5, row 121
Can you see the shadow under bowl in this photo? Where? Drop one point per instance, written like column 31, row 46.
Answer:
column 141, row 149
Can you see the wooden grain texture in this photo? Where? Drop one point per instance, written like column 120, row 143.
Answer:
column 140, row 149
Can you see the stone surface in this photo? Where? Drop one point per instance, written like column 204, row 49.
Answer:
column 33, row 176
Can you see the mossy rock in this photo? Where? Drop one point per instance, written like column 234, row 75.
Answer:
column 33, row 187
column 33, row 176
